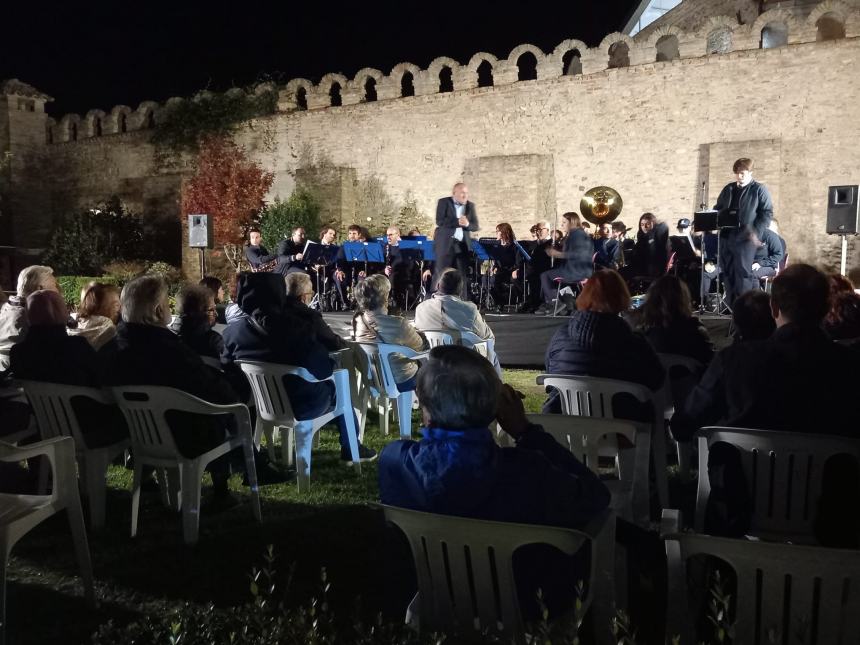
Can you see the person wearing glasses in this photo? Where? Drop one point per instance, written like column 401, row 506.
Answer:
column 195, row 305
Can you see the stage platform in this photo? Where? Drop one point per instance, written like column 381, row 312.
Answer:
column 522, row 339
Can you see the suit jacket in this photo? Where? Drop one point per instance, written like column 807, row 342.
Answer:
column 446, row 223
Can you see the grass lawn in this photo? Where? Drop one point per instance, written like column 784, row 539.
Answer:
column 330, row 526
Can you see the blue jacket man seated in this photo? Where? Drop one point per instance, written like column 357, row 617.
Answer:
column 458, row 469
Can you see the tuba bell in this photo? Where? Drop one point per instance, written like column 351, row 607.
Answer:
column 601, row 204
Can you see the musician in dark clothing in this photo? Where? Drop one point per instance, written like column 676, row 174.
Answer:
column 290, row 252
column 326, row 274
column 540, row 262
column 255, row 252
column 401, row 269
column 577, row 256
column 651, row 251
column 605, row 247
column 624, row 250
column 770, row 254
column 507, row 266
column 752, row 203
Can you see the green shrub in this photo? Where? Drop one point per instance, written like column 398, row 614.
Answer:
column 280, row 217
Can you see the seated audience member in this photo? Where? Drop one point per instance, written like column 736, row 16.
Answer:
column 13, row 313
column 272, row 332
column 49, row 354
column 770, row 385
column 842, row 322
column 445, row 310
column 98, row 314
column 667, row 321
column 596, row 341
column 372, row 323
column 458, row 469
column 195, row 306
column 217, row 288
column 751, row 317
column 148, row 353
column 300, row 293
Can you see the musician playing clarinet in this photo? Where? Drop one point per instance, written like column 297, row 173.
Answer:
column 257, row 254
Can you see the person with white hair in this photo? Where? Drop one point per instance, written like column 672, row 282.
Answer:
column 13, row 314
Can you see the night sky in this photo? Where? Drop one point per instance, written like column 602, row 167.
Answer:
column 99, row 54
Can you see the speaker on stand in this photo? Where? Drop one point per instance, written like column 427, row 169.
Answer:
column 843, row 216
column 200, row 237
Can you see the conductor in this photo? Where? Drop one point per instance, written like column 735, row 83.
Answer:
column 455, row 218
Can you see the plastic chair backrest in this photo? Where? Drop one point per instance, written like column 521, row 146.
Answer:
column 682, row 375
column 436, row 337
column 465, row 569
column 379, row 356
column 584, row 436
column 52, row 406
column 785, row 593
column 267, row 386
column 783, row 472
column 456, row 337
column 588, row 396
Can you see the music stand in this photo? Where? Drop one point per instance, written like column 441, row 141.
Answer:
column 411, row 250
column 705, row 222
column 428, row 254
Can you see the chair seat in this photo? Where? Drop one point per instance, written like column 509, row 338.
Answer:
column 13, row 507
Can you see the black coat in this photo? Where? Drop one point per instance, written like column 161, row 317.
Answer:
column 684, row 337
column 604, row 346
column 796, row 380
column 651, row 252
column 755, row 207
column 578, row 252
column 446, row 223
column 257, row 255
column 772, row 250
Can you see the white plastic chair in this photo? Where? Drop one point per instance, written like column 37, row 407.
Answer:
column 52, row 406
column 273, row 406
column 385, row 386
column 785, row 593
column 589, row 438
column 469, row 339
column 21, row 513
column 783, row 472
column 145, row 408
column 465, row 570
column 589, row 396
column 682, row 375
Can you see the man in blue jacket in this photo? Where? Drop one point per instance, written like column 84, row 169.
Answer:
column 754, row 207
column 458, row 469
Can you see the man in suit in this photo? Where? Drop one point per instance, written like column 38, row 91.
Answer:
column 455, row 218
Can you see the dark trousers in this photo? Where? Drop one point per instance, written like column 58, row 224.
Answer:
column 764, row 272
column 458, row 258
column 548, row 286
column 737, row 253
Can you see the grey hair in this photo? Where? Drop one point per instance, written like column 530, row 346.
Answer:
column 458, row 388
column 297, row 282
column 450, row 282
column 31, row 278
column 372, row 292
column 141, row 298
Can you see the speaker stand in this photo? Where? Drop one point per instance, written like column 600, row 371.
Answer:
column 844, row 254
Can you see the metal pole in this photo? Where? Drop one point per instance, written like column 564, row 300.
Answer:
column 844, row 254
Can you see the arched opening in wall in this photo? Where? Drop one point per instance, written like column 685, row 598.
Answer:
column 302, row 98
column 407, row 84
column 370, row 90
column 150, row 120
column 335, row 99
column 97, row 128
column 73, row 132
column 485, row 74
column 571, row 63
column 719, row 41
column 446, row 80
column 122, row 126
column 774, row 34
column 527, row 67
column 667, row 48
column 830, row 27
column 619, row 55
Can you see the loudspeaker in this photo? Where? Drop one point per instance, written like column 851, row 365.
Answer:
column 200, row 231
column 843, row 210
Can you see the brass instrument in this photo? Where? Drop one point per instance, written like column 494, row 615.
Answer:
column 601, row 204
column 263, row 268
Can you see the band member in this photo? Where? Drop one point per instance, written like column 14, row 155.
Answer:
column 754, row 207
column 540, row 263
column 651, row 251
column 605, row 247
column 257, row 254
column 577, row 253
column 624, row 250
column 400, row 269
column 770, row 254
column 507, row 268
column 290, row 252
column 455, row 218
column 328, row 272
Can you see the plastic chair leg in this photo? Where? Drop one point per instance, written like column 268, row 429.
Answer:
column 135, row 495
column 304, row 442
column 94, row 477
column 404, row 414
column 385, row 414
column 190, row 476
column 251, row 474
column 171, row 488
column 82, row 549
column 658, row 450
column 288, row 446
column 352, row 433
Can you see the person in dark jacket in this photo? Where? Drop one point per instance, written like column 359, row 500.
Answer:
column 49, row 354
column 272, row 332
column 300, row 293
column 456, row 217
column 797, row 380
column 754, row 207
column 769, row 255
column 650, row 257
column 752, row 318
column 598, row 342
column 667, row 321
column 458, row 469
column 577, row 260
column 258, row 256
column 148, row 353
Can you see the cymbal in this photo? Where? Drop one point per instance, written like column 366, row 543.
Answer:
column 601, row 204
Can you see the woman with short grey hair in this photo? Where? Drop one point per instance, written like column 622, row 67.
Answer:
column 13, row 313
column 372, row 324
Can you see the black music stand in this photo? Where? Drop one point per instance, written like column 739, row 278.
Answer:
column 704, row 222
